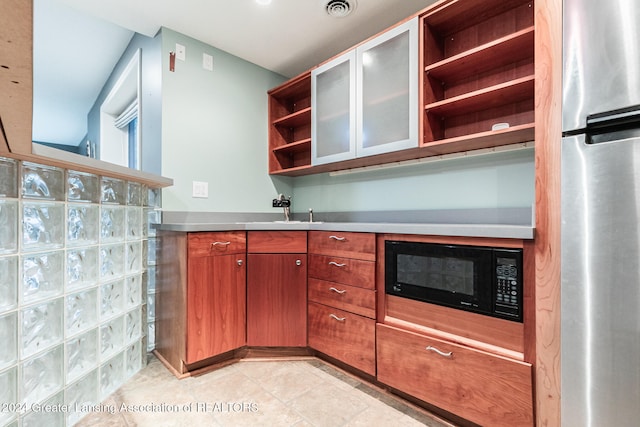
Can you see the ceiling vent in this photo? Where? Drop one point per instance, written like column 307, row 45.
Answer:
column 340, row 8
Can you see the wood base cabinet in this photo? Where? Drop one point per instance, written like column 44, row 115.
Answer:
column 277, row 289
column 483, row 388
column 200, row 296
column 342, row 297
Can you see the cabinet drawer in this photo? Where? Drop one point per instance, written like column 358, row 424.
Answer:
column 345, row 336
column 483, row 388
column 277, row 242
column 350, row 298
column 343, row 244
column 216, row 243
column 352, row 272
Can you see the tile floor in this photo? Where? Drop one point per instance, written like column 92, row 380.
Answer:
column 297, row 393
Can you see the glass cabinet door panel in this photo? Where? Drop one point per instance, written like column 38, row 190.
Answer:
column 333, row 123
column 387, row 83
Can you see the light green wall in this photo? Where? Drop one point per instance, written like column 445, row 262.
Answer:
column 214, row 129
column 496, row 180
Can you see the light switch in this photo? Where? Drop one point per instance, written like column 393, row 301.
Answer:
column 207, row 62
column 200, row 189
column 181, row 52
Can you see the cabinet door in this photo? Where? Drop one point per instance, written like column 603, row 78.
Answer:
column 277, row 300
column 387, row 87
column 333, row 120
column 216, row 305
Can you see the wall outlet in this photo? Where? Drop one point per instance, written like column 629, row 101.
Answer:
column 207, row 62
column 181, row 52
column 200, row 189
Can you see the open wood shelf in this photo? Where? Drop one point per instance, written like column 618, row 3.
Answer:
column 504, row 93
column 506, row 50
column 298, row 118
column 480, row 140
column 296, row 146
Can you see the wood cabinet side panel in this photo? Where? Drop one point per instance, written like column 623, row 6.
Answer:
column 171, row 297
column 477, row 386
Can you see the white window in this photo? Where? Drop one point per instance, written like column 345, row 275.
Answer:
column 119, row 118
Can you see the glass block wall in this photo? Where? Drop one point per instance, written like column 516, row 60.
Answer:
column 77, row 285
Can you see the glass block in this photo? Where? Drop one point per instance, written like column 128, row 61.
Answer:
column 41, row 376
column 133, row 290
column 151, row 251
column 81, row 396
column 111, row 337
column 151, row 305
column 154, row 198
column 42, row 225
column 134, row 223
column 8, row 340
column 44, row 418
column 112, row 224
column 8, row 392
column 42, row 182
column 112, row 300
column 82, row 268
column 81, row 311
column 83, row 187
column 134, row 194
column 133, row 359
column 8, row 178
column 149, row 278
column 151, row 218
column 112, row 375
column 82, row 225
column 81, row 354
column 111, row 262
column 113, row 191
column 8, row 226
column 41, row 327
column 42, row 276
column 134, row 257
column 134, row 325
column 8, row 283
column 151, row 337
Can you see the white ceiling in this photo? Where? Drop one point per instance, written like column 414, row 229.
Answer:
column 74, row 45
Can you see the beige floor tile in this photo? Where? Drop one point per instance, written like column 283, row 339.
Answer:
column 307, row 393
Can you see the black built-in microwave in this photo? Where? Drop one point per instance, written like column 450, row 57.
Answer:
column 483, row 280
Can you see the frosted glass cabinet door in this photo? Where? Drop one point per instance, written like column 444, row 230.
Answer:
column 387, row 79
column 333, row 98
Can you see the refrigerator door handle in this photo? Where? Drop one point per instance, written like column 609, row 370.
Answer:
column 614, row 118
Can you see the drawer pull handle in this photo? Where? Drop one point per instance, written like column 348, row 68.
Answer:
column 441, row 353
column 338, row 291
column 336, row 264
column 220, row 244
column 341, row 239
column 339, row 319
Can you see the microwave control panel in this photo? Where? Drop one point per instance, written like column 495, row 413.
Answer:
column 508, row 290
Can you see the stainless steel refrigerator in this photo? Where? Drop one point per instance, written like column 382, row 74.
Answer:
column 600, row 291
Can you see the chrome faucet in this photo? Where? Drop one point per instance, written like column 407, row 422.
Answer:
column 284, row 203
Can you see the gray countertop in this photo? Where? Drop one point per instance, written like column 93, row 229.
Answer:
column 466, row 230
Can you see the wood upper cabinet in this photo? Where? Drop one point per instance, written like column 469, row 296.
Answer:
column 277, row 289
column 478, row 71
column 364, row 102
column 201, row 296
